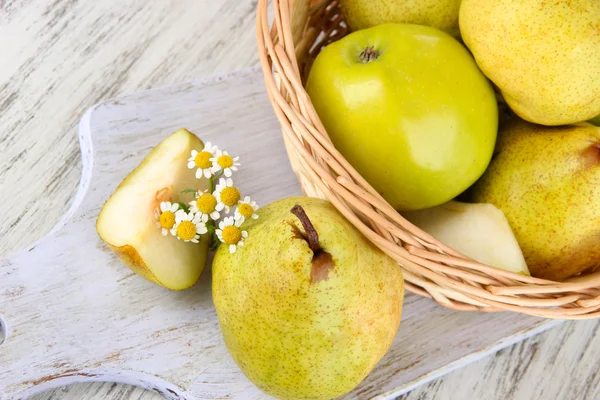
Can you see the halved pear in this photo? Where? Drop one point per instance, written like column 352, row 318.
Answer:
column 127, row 221
column 479, row 231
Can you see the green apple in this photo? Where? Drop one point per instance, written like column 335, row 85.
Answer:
column 408, row 107
column 127, row 222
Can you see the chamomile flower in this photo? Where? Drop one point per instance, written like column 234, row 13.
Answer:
column 246, row 209
column 206, row 204
column 226, row 194
column 165, row 216
column 223, row 161
column 230, row 234
column 189, row 226
column 202, row 161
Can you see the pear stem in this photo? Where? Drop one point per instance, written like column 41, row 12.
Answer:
column 311, row 232
column 369, row 54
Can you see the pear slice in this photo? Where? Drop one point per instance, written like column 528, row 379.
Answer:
column 479, row 231
column 127, row 220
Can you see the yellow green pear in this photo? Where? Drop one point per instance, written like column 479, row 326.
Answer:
column 128, row 221
column 440, row 14
column 307, row 306
column 546, row 180
column 543, row 55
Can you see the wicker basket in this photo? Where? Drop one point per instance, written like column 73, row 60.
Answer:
column 431, row 269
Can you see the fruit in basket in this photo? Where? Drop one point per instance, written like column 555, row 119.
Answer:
column 543, row 55
column 407, row 106
column 127, row 220
column 308, row 305
column 440, row 14
column 479, row 231
column 546, row 180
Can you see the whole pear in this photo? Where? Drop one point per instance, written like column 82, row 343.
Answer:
column 307, row 305
column 440, row 14
column 543, row 55
column 546, row 180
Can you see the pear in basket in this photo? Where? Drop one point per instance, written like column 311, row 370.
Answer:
column 440, row 14
column 307, row 305
column 543, row 55
column 546, row 180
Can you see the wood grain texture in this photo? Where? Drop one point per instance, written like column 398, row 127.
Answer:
column 60, row 57
column 536, row 368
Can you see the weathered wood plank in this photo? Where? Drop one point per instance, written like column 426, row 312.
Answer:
column 60, row 57
column 115, row 322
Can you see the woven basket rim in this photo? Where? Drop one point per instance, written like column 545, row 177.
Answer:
column 430, row 268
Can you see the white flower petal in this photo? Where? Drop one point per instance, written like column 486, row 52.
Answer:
column 180, row 215
column 164, row 231
column 174, row 207
column 221, row 225
column 227, row 172
column 194, row 153
column 198, row 173
column 229, row 182
column 201, row 229
column 232, row 248
column 220, row 206
column 215, row 215
column 191, row 165
column 194, row 240
column 207, row 173
column 244, row 234
column 254, row 216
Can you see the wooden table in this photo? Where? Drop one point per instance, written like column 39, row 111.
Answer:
column 59, row 57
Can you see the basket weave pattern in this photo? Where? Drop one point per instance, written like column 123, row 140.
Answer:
column 287, row 48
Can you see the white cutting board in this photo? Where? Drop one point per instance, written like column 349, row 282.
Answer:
column 73, row 313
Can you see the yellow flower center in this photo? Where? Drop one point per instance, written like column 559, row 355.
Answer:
column 246, row 210
column 225, row 161
column 232, row 235
column 206, row 203
column 167, row 219
column 186, row 230
column 202, row 160
column 230, row 196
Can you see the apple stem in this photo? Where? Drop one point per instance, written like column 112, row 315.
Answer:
column 369, row 54
column 311, row 232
